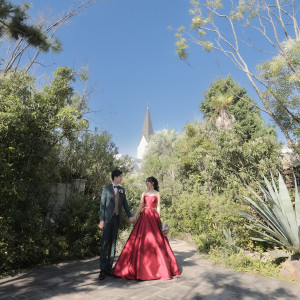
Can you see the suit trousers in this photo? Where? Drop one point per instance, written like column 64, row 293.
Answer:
column 108, row 244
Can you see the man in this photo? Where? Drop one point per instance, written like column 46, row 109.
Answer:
column 112, row 199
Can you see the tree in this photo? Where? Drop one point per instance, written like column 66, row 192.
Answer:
column 219, row 158
column 283, row 86
column 13, row 24
column 20, row 38
column 163, row 142
column 200, row 174
column 159, row 161
column 32, row 123
column 224, row 160
column 248, row 122
column 221, row 103
column 89, row 156
column 218, row 29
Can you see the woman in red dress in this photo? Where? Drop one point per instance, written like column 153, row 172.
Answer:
column 147, row 254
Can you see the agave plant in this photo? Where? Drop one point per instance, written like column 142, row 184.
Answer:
column 278, row 218
column 230, row 241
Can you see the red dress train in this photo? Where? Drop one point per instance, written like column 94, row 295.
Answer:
column 147, row 254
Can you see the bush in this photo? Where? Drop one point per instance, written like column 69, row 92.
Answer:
column 32, row 122
column 240, row 262
column 79, row 227
column 75, row 236
column 204, row 216
column 21, row 244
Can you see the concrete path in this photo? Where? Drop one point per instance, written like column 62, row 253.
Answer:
column 199, row 280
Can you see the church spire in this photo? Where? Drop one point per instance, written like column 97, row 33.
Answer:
column 147, row 131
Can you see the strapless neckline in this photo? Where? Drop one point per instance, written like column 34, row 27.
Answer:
column 150, row 201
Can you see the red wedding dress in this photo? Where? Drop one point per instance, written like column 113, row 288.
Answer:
column 147, row 254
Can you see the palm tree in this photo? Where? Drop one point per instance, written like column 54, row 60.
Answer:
column 224, row 119
column 163, row 142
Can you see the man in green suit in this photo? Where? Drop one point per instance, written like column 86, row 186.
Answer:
column 112, row 199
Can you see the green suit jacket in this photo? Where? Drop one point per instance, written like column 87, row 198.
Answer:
column 107, row 204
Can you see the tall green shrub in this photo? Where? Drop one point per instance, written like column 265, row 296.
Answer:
column 204, row 216
column 32, row 122
column 79, row 227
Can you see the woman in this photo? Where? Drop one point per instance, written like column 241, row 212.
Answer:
column 147, row 254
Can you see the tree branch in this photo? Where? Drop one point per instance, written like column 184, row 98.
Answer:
column 281, row 21
column 18, row 52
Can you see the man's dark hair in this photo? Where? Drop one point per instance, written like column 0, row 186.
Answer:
column 115, row 173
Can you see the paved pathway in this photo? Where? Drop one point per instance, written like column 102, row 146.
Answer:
column 199, row 280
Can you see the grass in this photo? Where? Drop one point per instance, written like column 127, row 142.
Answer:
column 238, row 261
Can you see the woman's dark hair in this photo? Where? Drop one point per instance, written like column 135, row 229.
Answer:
column 116, row 173
column 154, row 181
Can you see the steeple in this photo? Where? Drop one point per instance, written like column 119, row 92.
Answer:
column 147, row 131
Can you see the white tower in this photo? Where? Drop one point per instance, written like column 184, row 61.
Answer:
column 147, row 131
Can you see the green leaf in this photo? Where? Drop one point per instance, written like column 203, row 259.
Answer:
column 280, row 223
column 287, row 207
column 297, row 206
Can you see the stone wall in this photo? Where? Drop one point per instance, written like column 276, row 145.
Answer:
column 59, row 193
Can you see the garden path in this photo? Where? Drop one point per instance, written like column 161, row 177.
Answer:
column 200, row 279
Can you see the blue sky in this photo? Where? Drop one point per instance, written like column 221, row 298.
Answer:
column 131, row 57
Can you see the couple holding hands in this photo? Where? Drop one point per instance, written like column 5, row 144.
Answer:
column 147, row 254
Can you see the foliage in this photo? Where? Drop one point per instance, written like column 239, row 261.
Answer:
column 90, row 156
column 134, row 185
column 242, row 263
column 23, row 44
column 229, row 240
column 276, row 215
column 76, row 236
column 222, row 29
column 34, row 126
column 21, row 236
column 282, row 80
column 78, row 228
column 204, row 216
column 202, row 170
column 224, row 120
column 223, row 160
column 13, row 19
column 123, row 236
column 248, row 122
column 160, row 161
column 217, row 165
column 32, row 123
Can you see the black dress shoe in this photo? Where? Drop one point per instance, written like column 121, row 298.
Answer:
column 102, row 275
column 110, row 273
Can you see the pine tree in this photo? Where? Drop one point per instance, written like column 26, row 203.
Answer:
column 13, row 24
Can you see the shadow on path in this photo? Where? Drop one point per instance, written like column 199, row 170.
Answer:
column 199, row 280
